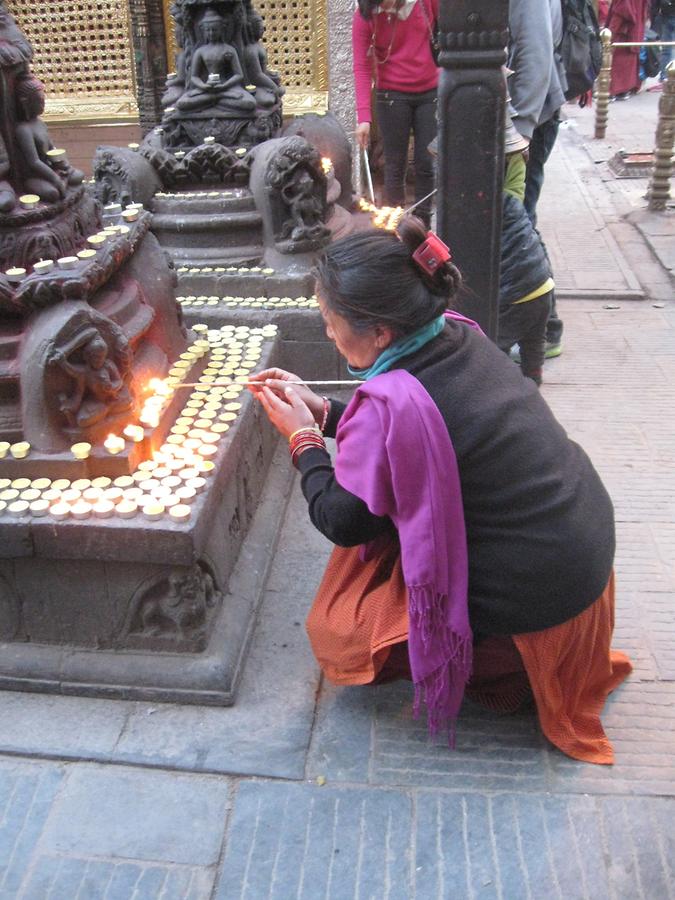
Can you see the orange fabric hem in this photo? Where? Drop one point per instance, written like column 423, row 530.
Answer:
column 572, row 670
column 359, row 612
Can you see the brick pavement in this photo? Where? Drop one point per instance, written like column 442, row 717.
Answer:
column 304, row 790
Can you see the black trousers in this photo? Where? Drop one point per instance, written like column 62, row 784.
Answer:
column 525, row 324
column 398, row 114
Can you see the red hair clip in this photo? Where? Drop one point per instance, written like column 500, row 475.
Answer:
column 432, row 253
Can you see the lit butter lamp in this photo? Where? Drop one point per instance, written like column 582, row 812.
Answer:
column 114, row 444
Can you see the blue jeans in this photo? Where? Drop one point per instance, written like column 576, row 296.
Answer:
column 398, row 114
column 664, row 26
column 541, row 145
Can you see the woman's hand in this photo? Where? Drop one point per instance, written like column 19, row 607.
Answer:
column 277, row 381
column 287, row 414
column 363, row 135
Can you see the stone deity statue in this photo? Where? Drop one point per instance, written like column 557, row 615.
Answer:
column 175, row 82
column 99, row 387
column 216, row 74
column 268, row 89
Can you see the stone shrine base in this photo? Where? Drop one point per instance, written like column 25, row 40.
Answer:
column 139, row 608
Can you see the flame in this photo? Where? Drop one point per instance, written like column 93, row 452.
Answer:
column 326, row 164
column 386, row 217
column 159, row 387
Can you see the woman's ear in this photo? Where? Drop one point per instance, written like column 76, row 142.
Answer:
column 384, row 336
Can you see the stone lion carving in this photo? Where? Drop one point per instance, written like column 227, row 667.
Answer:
column 175, row 608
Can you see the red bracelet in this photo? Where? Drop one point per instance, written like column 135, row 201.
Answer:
column 303, row 439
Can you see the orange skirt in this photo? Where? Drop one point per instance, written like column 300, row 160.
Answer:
column 361, row 611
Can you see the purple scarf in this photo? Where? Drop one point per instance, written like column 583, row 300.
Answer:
column 394, row 453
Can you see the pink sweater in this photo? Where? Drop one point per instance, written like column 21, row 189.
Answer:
column 401, row 46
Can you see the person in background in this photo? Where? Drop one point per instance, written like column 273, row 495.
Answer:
column 475, row 540
column 663, row 23
column 392, row 49
column 525, row 280
column 537, row 87
column 626, row 19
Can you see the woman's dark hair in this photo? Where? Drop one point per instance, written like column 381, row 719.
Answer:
column 366, row 7
column 370, row 278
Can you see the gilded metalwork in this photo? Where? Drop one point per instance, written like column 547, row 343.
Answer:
column 602, row 85
column 658, row 192
column 83, row 55
column 296, row 40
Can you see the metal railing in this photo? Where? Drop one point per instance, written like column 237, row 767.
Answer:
column 658, row 192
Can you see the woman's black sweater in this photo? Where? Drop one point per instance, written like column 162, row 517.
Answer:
column 539, row 522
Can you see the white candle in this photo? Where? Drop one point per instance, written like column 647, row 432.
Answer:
column 39, row 508
column 114, row 444
column 103, row 509
column 29, row 201
column 127, row 509
column 43, row 266
column 80, row 509
column 20, row 450
column 180, row 513
column 15, row 275
column 81, row 450
column 153, row 510
column 60, row 511
column 134, row 433
column 67, row 262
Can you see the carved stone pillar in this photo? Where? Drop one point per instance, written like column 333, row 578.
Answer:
column 147, row 28
column 471, row 97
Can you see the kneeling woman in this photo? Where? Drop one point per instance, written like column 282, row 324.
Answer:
column 475, row 541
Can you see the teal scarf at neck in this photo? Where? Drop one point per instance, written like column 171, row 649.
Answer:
column 403, row 347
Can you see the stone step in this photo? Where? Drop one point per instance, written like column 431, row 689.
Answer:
column 203, row 201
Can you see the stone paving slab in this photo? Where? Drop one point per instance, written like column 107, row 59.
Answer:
column 26, row 795
column 84, row 832
column 585, row 257
column 305, row 841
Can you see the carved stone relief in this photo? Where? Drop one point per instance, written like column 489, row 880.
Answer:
column 173, row 611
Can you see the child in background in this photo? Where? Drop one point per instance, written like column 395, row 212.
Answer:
column 525, row 280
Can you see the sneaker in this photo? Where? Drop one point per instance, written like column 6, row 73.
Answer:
column 552, row 349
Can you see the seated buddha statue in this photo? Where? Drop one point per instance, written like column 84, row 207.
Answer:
column 216, row 76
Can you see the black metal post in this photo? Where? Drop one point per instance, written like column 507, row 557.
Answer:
column 471, row 97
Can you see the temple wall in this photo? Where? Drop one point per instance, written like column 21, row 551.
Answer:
column 341, row 82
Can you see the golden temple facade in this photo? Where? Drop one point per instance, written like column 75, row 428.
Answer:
column 87, row 53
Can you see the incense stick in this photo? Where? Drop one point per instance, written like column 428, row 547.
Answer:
column 210, row 384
